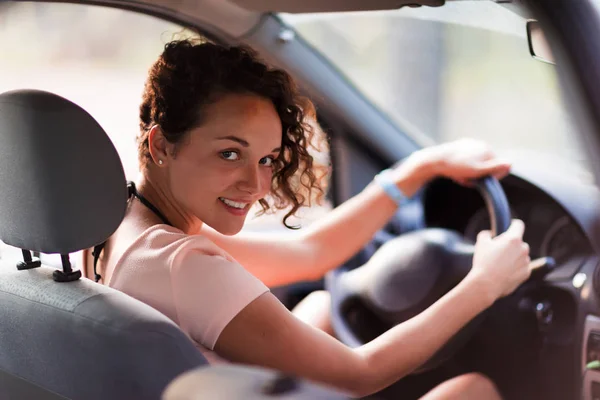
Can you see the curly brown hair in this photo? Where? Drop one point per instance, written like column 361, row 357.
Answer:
column 189, row 75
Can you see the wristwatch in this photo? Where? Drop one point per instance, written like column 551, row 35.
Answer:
column 390, row 188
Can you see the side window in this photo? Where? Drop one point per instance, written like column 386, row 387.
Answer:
column 91, row 56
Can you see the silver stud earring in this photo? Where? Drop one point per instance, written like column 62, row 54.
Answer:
column 160, row 162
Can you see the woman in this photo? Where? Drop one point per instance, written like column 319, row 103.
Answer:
column 221, row 131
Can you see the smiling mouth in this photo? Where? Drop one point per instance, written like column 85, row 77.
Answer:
column 234, row 204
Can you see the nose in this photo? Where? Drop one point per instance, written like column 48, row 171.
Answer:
column 250, row 182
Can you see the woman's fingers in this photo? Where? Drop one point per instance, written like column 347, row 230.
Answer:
column 496, row 167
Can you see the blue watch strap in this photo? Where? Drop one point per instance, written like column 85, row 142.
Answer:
column 389, row 187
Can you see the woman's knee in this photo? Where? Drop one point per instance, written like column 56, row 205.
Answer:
column 319, row 297
column 472, row 386
column 314, row 309
column 481, row 384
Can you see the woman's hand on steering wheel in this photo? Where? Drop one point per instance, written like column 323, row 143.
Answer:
column 461, row 160
column 413, row 271
column 501, row 263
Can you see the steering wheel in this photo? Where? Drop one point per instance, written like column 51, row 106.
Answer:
column 408, row 274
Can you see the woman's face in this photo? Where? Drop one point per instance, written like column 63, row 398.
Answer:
column 224, row 166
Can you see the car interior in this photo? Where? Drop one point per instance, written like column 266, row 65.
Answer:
column 63, row 173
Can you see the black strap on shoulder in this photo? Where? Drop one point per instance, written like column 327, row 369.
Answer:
column 131, row 192
column 96, row 253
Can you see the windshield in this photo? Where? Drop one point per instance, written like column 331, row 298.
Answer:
column 461, row 70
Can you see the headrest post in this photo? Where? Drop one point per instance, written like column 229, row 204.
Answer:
column 28, row 261
column 66, row 263
column 67, row 274
column 26, row 256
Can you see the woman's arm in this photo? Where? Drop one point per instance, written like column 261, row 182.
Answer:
column 326, row 244
column 331, row 241
column 266, row 334
column 274, row 338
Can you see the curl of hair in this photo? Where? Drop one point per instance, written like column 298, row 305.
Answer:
column 190, row 74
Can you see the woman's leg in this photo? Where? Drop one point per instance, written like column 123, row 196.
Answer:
column 465, row 387
column 314, row 309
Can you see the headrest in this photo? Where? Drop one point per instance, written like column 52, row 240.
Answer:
column 62, row 185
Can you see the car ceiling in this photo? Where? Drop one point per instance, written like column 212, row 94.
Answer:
column 237, row 18
column 305, row 6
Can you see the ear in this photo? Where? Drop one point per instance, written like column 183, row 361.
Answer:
column 158, row 146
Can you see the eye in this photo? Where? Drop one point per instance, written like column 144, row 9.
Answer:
column 266, row 161
column 230, row 155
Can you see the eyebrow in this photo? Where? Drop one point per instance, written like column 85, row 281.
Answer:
column 235, row 139
column 243, row 142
